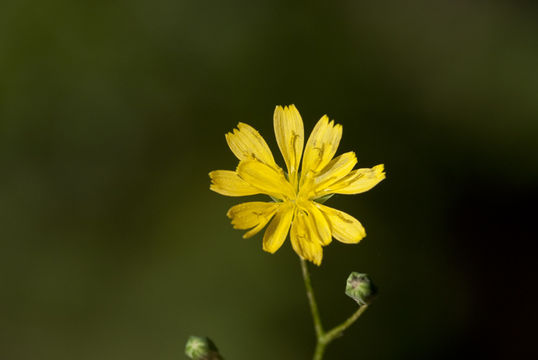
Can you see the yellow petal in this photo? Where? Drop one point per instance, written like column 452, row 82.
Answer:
column 319, row 224
column 265, row 178
column 289, row 132
column 278, row 229
column 247, row 143
column 255, row 215
column 336, row 169
column 345, row 228
column 358, row 181
column 303, row 242
column 229, row 183
column 254, row 230
column 322, row 145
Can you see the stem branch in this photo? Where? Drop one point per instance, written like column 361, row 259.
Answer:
column 338, row 330
column 324, row 338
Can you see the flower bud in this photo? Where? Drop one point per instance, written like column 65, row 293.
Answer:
column 201, row 348
column 360, row 288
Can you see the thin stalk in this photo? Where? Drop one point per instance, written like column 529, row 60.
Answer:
column 338, row 330
column 312, row 300
column 319, row 351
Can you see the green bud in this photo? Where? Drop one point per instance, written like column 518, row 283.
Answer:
column 201, row 348
column 360, row 288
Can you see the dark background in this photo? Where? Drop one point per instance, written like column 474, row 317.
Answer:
column 113, row 112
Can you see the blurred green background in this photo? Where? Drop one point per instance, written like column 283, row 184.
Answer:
column 112, row 113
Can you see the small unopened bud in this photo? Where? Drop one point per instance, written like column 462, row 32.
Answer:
column 360, row 288
column 201, row 348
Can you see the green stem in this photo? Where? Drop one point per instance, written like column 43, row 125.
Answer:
column 312, row 300
column 338, row 330
column 319, row 351
column 324, row 338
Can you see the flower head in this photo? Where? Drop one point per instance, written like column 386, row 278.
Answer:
column 297, row 193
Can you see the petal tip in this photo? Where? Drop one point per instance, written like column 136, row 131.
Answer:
column 244, row 126
column 380, row 171
column 270, row 250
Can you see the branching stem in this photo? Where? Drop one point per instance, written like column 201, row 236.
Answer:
column 323, row 338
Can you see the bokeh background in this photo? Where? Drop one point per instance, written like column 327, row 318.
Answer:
column 112, row 113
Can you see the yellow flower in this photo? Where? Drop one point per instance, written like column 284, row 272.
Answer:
column 297, row 194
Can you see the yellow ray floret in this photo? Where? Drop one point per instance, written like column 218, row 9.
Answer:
column 289, row 133
column 278, row 228
column 304, row 238
column 357, row 181
column 345, row 228
column 252, row 215
column 268, row 180
column 247, row 144
column 296, row 208
column 229, row 183
column 322, row 145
